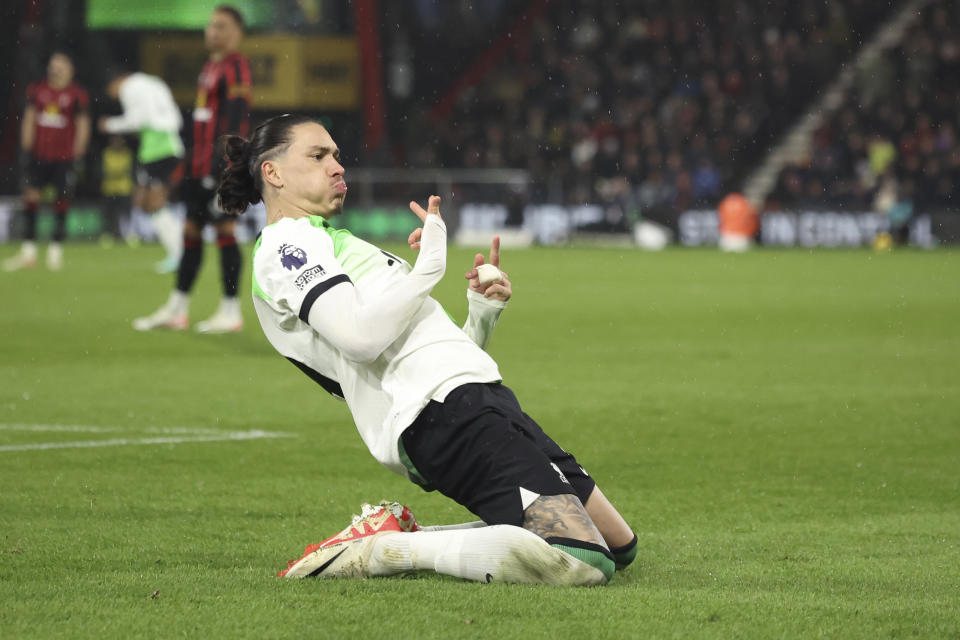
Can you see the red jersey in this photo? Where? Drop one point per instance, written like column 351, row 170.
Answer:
column 56, row 119
column 223, row 107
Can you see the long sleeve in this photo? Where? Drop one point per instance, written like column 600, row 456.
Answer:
column 147, row 103
column 483, row 314
column 363, row 329
column 135, row 116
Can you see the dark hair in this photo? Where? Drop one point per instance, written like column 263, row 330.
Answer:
column 242, row 183
column 231, row 11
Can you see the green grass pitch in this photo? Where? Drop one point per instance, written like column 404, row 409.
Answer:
column 781, row 428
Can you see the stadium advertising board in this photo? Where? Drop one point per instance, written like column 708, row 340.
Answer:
column 548, row 223
column 804, row 228
column 171, row 14
column 553, row 224
column 288, row 71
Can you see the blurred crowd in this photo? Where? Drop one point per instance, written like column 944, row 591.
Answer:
column 646, row 105
column 894, row 141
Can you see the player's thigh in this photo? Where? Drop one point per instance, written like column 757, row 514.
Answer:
column 472, row 449
column 63, row 177
column 197, row 200
column 562, row 461
column 33, row 181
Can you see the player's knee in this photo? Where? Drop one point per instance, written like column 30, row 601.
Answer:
column 226, row 228
column 561, row 515
column 626, row 554
column 586, row 553
column 528, row 558
column 153, row 201
column 192, row 231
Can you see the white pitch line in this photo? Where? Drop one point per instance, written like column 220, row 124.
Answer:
column 79, row 428
column 121, row 442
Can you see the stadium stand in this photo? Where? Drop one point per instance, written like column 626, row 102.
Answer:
column 895, row 137
column 658, row 107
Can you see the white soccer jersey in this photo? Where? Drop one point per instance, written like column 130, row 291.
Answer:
column 148, row 107
column 360, row 322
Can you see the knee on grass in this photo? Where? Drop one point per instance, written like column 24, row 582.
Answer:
column 626, row 554
column 557, row 561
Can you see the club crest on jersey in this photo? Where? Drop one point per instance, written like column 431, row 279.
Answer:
column 310, row 274
column 292, row 257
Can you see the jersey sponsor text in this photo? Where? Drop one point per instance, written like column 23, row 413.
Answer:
column 309, row 275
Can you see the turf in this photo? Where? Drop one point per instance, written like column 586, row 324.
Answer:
column 781, row 429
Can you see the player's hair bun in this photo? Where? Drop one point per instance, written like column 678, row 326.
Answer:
column 237, row 149
column 238, row 187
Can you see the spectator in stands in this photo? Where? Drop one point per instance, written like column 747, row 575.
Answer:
column 679, row 98
column 893, row 141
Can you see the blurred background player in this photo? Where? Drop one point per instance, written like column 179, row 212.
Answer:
column 223, row 106
column 54, row 134
column 116, row 187
column 149, row 109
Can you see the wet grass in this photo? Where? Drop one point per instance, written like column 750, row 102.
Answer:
column 781, row 428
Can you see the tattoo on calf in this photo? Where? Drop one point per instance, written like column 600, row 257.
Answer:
column 561, row 516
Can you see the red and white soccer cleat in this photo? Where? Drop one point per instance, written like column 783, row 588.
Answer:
column 404, row 516
column 347, row 554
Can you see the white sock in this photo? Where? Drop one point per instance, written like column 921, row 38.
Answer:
column 455, row 527
column 498, row 553
column 179, row 302
column 229, row 306
column 29, row 249
column 169, row 231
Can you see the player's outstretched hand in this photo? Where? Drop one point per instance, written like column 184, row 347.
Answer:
column 496, row 290
column 433, row 206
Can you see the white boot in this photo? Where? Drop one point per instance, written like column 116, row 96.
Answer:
column 227, row 319
column 172, row 315
column 26, row 259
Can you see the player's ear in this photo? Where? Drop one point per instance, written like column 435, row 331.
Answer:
column 270, row 173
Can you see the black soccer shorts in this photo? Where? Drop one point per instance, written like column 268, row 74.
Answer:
column 40, row 173
column 479, row 448
column 200, row 198
column 165, row 171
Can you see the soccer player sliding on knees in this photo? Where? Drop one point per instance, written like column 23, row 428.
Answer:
column 428, row 401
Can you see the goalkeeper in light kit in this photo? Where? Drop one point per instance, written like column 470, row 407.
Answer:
column 427, row 399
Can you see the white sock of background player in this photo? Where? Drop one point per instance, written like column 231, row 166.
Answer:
column 169, row 231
